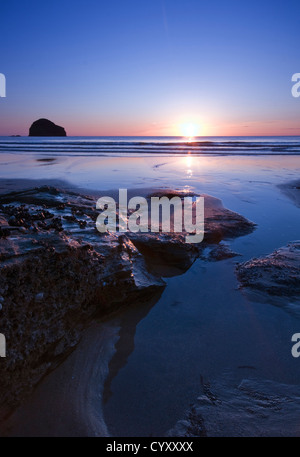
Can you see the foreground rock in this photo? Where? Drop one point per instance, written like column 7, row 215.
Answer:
column 44, row 127
column 57, row 273
column 277, row 274
column 250, row 407
column 169, row 254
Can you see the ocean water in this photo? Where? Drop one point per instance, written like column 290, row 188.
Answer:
column 162, row 146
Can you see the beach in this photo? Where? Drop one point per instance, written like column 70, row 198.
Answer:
column 149, row 222
column 139, row 370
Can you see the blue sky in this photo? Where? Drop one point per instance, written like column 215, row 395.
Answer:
column 146, row 67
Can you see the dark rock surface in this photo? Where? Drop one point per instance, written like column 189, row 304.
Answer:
column 277, row 274
column 248, row 407
column 169, row 254
column 44, row 127
column 58, row 273
column 221, row 252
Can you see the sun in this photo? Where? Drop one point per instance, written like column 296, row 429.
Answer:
column 189, row 129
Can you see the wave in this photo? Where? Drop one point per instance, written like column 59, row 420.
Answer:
column 101, row 146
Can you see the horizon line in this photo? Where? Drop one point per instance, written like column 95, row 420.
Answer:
column 149, row 136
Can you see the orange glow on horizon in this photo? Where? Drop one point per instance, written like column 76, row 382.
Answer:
column 188, row 127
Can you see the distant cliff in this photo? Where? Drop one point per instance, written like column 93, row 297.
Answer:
column 44, row 127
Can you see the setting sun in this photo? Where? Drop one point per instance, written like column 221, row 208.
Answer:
column 189, row 129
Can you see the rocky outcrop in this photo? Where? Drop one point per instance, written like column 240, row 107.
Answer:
column 44, row 127
column 169, row 254
column 57, row 273
column 277, row 274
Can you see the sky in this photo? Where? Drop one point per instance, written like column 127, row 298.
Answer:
column 145, row 68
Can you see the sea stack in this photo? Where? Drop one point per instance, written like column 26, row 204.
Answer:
column 44, row 127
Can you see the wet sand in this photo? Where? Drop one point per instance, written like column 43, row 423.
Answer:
column 292, row 190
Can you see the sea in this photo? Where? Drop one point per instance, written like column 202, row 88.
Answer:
column 145, row 146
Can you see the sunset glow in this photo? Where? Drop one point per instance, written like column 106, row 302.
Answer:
column 128, row 77
column 190, row 130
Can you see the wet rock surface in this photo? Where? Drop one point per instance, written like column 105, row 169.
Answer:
column 221, row 252
column 247, row 407
column 277, row 274
column 58, row 273
column 169, row 254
